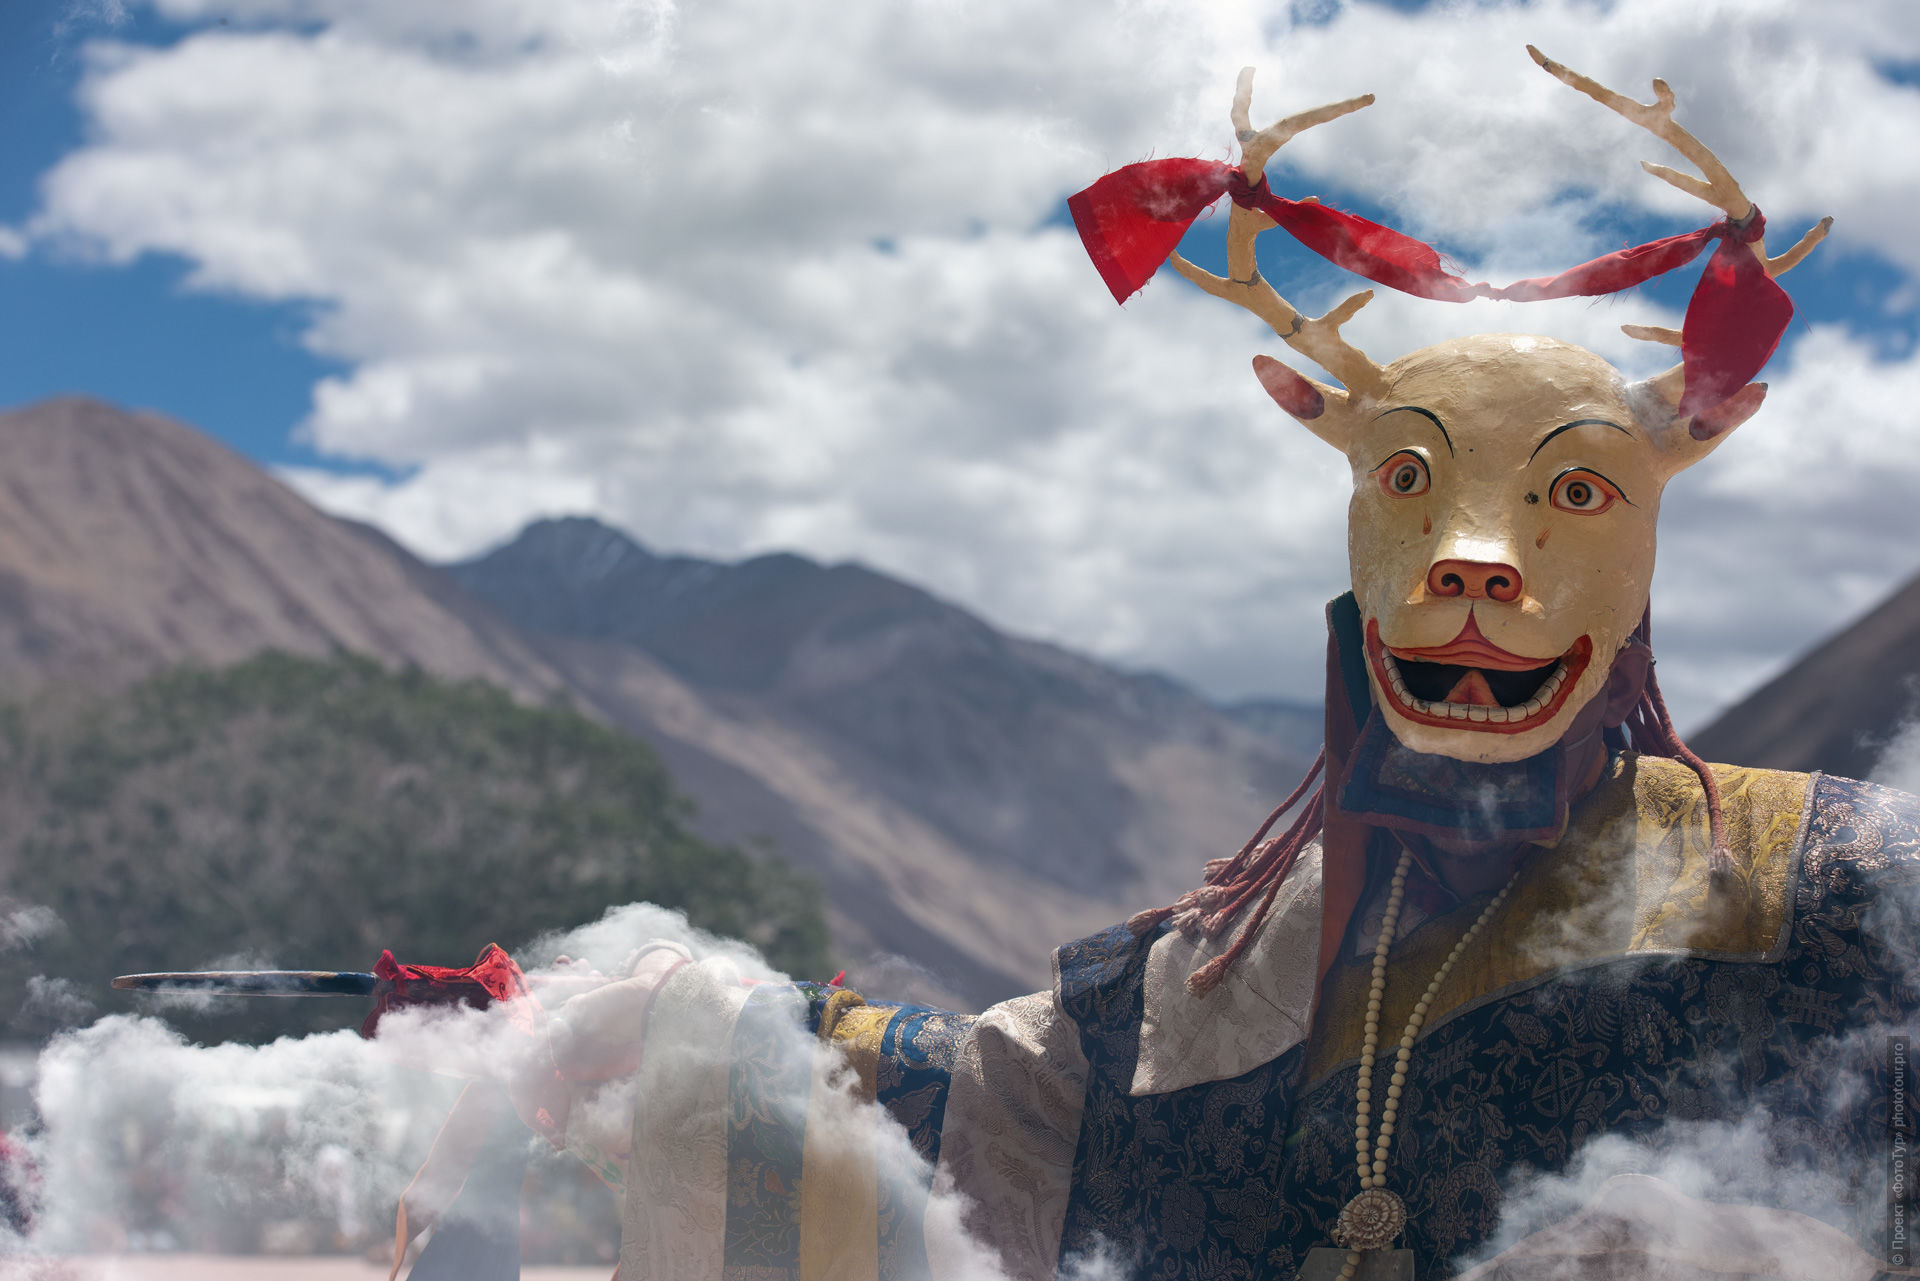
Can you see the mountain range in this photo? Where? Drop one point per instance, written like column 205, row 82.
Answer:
column 966, row 799
column 969, row 798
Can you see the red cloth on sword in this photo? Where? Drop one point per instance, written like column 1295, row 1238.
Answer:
column 492, row 977
column 539, row 1094
column 1131, row 219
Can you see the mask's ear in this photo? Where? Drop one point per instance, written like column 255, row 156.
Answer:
column 1321, row 409
column 1685, row 441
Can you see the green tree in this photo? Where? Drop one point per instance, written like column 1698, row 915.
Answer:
column 309, row 813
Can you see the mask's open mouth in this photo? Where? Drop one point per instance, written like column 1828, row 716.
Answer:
column 1471, row 683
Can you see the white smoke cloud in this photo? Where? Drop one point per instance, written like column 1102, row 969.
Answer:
column 1598, row 921
column 1681, row 1199
column 23, row 925
column 739, row 282
column 1899, row 763
column 58, row 1000
column 1692, row 1194
column 146, row 1140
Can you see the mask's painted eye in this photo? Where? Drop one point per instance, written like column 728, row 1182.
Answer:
column 1585, row 492
column 1404, row 475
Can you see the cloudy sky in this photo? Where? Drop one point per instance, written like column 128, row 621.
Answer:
column 745, row 276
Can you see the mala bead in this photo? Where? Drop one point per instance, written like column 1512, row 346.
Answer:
column 1374, row 1218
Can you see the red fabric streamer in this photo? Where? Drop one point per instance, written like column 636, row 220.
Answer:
column 493, row 977
column 1734, row 322
column 1134, row 217
column 1131, row 219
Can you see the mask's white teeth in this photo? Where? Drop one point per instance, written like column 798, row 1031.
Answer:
column 1541, row 697
column 1473, row 712
column 1395, row 681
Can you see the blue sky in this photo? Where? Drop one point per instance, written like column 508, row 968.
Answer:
column 130, row 332
column 451, row 269
column 237, row 368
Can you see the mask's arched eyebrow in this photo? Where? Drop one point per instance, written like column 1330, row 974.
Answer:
column 1578, row 422
column 1427, row 414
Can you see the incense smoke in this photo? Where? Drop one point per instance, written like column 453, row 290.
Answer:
column 1899, row 763
column 147, row 1140
column 22, row 925
column 1691, row 1196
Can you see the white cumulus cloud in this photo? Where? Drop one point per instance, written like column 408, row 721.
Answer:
column 741, row 277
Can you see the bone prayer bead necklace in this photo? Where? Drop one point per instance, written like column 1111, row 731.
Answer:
column 1376, row 1216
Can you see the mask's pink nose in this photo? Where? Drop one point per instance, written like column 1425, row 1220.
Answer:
column 1475, row 579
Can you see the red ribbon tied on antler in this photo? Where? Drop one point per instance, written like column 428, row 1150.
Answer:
column 1131, row 219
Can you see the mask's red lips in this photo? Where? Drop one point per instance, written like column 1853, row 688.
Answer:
column 1453, row 688
column 1471, row 648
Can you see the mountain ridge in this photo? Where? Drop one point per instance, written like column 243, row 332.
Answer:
column 129, row 541
column 968, row 800
column 922, row 698
column 1837, row 706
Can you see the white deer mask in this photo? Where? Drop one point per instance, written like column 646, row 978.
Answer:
column 1506, row 488
column 1501, row 534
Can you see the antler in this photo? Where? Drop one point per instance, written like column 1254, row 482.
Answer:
column 1319, row 338
column 1717, row 186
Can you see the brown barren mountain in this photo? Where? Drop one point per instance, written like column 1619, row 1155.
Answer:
column 976, row 797
column 967, row 800
column 1837, row 707
column 130, row 542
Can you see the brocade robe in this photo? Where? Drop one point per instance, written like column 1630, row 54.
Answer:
column 1117, row 1116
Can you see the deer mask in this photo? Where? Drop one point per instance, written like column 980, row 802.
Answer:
column 1505, row 488
column 1500, row 535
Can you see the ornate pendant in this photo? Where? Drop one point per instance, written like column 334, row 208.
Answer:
column 1371, row 1220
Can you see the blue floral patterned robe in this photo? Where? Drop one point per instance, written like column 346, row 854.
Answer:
column 1118, row 1116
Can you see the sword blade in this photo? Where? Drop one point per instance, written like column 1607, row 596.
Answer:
column 253, row 982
